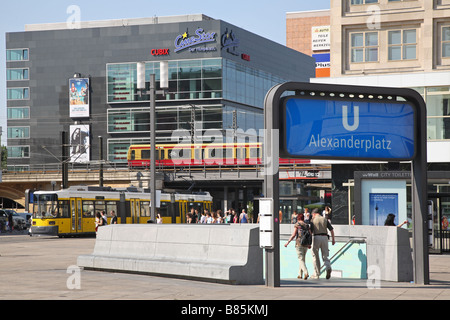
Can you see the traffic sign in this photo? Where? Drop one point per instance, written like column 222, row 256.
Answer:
column 348, row 129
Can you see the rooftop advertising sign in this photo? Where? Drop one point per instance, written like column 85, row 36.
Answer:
column 316, row 128
column 185, row 41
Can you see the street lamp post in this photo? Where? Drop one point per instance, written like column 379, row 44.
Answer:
column 164, row 84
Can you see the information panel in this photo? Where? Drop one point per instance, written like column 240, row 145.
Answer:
column 360, row 129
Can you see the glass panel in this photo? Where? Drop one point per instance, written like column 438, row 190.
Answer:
column 357, row 55
column 409, row 52
column 446, row 34
column 446, row 49
column 17, row 74
column 371, row 54
column 409, row 36
column 438, row 128
column 17, row 93
column 16, row 54
column 121, row 82
column 18, row 132
column 371, row 38
column 438, row 105
column 18, row 113
column 18, row 152
column 395, row 53
column 357, row 39
column 394, row 37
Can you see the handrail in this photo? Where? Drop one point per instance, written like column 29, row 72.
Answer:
column 352, row 240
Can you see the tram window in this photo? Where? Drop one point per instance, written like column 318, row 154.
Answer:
column 255, row 152
column 88, row 209
column 179, row 153
column 111, row 206
column 241, row 153
column 145, row 154
column 163, row 209
column 145, row 208
column 133, row 154
column 227, row 153
column 100, row 206
column 64, row 209
column 198, row 154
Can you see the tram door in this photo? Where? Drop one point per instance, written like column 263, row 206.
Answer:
column 76, row 215
column 135, row 210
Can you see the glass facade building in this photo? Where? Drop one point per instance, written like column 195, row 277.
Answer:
column 218, row 76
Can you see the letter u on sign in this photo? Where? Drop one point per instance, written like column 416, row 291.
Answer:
column 355, row 124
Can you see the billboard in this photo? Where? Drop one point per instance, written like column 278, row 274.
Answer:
column 79, row 97
column 80, row 143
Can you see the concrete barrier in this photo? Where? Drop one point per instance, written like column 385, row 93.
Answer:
column 388, row 249
column 218, row 253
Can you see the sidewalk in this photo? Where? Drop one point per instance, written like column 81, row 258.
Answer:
column 35, row 268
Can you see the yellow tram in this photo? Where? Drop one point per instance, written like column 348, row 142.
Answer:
column 71, row 211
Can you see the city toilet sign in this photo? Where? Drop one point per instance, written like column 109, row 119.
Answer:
column 321, row 128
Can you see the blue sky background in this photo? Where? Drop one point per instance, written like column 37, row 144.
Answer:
column 263, row 17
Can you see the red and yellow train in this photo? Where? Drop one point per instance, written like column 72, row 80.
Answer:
column 207, row 154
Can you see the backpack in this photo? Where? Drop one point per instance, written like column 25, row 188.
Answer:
column 304, row 237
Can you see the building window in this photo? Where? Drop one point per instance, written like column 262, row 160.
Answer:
column 18, row 132
column 18, row 152
column 17, row 74
column 129, row 120
column 18, row 168
column 438, row 112
column 18, row 113
column 364, row 47
column 446, row 42
column 188, row 79
column 402, row 44
column 363, row 1
column 18, row 93
column 17, row 55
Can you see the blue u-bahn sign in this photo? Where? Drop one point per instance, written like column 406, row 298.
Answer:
column 340, row 129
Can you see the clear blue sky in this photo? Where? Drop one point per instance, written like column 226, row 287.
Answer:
column 263, row 17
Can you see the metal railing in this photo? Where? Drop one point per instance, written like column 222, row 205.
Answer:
column 342, row 250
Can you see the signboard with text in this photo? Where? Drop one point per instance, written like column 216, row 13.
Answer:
column 339, row 129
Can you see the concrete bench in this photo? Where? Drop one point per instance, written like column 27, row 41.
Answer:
column 218, row 253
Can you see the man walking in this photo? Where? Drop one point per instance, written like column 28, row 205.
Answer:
column 319, row 227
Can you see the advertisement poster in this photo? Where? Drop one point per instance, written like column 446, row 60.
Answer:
column 79, row 97
column 380, row 205
column 79, row 144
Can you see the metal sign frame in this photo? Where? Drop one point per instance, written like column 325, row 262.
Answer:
column 273, row 123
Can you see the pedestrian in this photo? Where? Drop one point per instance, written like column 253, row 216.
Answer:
column 235, row 217
column 327, row 213
column 159, row 219
column 299, row 228
column 390, row 221
column 294, row 217
column 10, row 222
column 98, row 220
column 307, row 215
column 114, row 217
column 243, row 217
column 209, row 218
column 105, row 219
column 319, row 227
